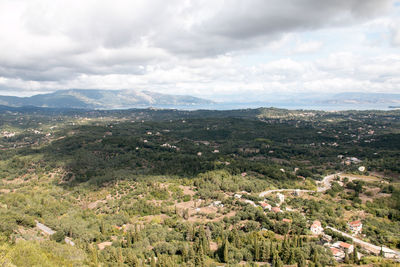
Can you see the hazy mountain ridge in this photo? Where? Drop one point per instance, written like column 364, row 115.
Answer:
column 364, row 98
column 102, row 99
column 126, row 99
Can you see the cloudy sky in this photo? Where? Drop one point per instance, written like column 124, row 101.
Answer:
column 221, row 50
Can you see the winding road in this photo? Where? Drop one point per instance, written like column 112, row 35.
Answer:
column 389, row 253
column 324, row 185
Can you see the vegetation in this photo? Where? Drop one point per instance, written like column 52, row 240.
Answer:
column 178, row 188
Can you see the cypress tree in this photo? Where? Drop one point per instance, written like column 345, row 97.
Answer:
column 95, row 260
column 191, row 253
column 185, row 253
column 226, row 251
column 120, row 257
column 301, row 261
column 153, row 262
column 199, row 259
column 285, row 252
column 346, row 257
column 256, row 248
column 355, row 256
column 265, row 255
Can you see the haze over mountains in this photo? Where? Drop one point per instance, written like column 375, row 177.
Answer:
column 123, row 99
column 102, row 99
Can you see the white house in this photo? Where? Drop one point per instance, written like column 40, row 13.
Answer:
column 266, row 206
column 281, row 197
column 355, row 227
column 344, row 246
column 337, row 254
column 316, row 228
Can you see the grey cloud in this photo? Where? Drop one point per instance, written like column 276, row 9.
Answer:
column 246, row 19
column 245, row 24
column 60, row 40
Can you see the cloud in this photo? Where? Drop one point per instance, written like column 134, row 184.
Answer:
column 308, row 47
column 173, row 46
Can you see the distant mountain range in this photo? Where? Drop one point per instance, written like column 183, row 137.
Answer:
column 363, row 98
column 125, row 99
column 103, row 99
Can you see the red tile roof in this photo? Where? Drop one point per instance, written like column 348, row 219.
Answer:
column 345, row 245
column 335, row 251
column 276, row 209
column 316, row 224
column 355, row 223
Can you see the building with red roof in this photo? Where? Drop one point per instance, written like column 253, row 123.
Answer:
column 355, row 227
column 316, row 228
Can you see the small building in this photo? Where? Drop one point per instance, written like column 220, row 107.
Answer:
column 296, row 193
column 287, row 220
column 355, row 227
column 316, row 228
column 276, row 209
column 344, row 246
column 337, row 254
column 238, row 196
column 281, row 197
column 326, row 238
column 248, row 201
column 266, row 206
column 69, row 241
column 217, row 204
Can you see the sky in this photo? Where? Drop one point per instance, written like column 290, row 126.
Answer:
column 224, row 50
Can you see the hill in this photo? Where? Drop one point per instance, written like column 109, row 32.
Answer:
column 103, row 99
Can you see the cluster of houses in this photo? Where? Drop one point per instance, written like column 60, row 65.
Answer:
column 339, row 248
column 8, row 134
column 264, row 204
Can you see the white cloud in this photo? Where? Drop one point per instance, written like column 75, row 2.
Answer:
column 308, row 47
column 207, row 48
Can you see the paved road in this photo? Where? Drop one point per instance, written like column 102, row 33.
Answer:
column 45, row 229
column 367, row 246
column 325, row 184
column 263, row 194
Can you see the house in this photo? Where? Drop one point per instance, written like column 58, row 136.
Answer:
column 276, row 209
column 344, row 246
column 287, row 220
column 355, row 227
column 238, row 196
column 326, row 238
column 266, row 206
column 296, row 193
column 337, row 254
column 248, row 201
column 217, row 204
column 281, row 197
column 69, row 241
column 316, row 228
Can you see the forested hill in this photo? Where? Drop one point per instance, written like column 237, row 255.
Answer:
column 103, row 99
